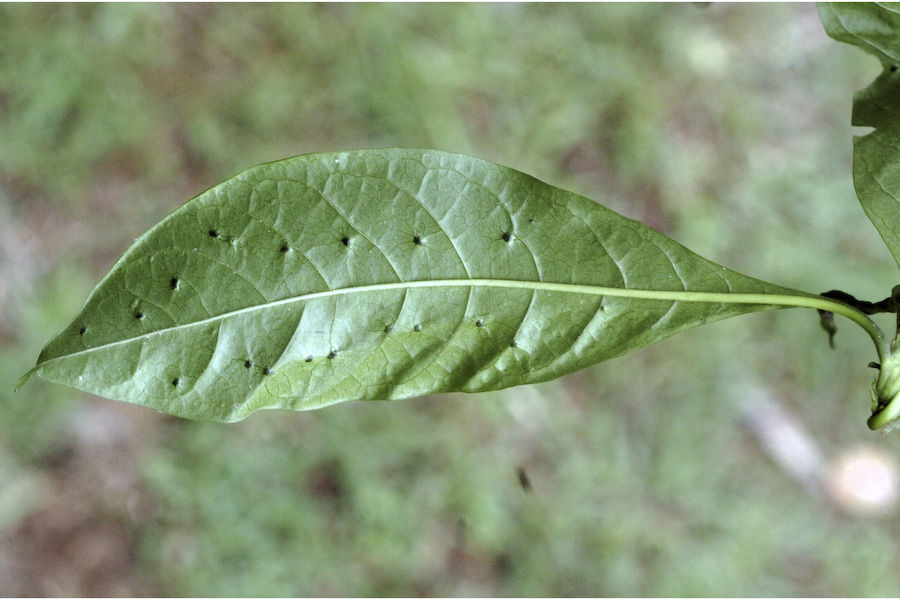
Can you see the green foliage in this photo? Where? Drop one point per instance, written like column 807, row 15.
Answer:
column 871, row 26
column 876, row 155
column 876, row 176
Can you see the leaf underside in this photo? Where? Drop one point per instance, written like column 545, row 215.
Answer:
column 375, row 275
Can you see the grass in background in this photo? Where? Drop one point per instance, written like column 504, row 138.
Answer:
column 725, row 127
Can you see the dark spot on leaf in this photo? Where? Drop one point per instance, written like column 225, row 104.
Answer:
column 530, row 220
column 345, row 240
column 388, row 329
column 479, row 323
column 893, row 68
column 174, row 283
column 175, row 382
column 213, row 233
column 506, row 236
column 309, row 359
column 332, row 354
column 138, row 315
column 284, row 248
column 512, row 344
column 267, row 371
column 417, row 327
column 248, row 363
column 417, row 240
column 82, row 330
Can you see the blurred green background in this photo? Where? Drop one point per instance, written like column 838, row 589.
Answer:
column 724, row 126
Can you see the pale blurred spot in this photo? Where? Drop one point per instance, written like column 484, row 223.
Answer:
column 784, row 439
column 707, row 54
column 864, row 480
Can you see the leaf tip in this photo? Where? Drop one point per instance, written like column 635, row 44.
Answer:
column 24, row 378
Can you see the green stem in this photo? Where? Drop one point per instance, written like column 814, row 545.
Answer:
column 819, row 303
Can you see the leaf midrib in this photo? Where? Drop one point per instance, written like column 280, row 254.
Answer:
column 570, row 288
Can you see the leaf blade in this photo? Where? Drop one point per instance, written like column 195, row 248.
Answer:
column 874, row 28
column 870, row 26
column 331, row 277
column 876, row 178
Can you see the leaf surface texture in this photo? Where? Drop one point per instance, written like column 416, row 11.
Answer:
column 376, row 275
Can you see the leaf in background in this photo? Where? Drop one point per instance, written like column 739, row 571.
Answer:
column 871, row 26
column 879, row 104
column 876, row 177
column 875, row 28
column 375, row 275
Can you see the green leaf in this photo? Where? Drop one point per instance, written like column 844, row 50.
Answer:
column 876, row 156
column 871, row 26
column 879, row 104
column 876, row 178
column 381, row 274
column 875, row 28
